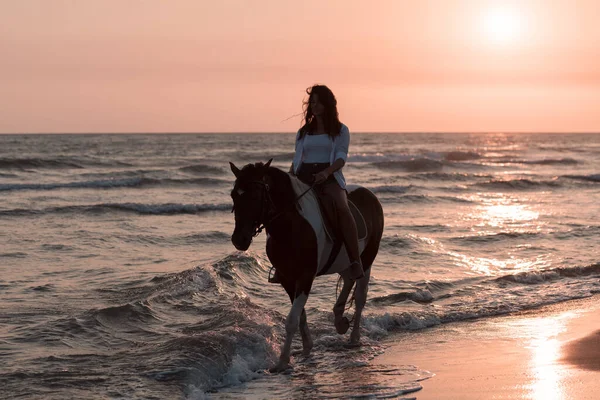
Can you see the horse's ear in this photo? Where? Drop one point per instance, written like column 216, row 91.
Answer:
column 234, row 169
column 268, row 163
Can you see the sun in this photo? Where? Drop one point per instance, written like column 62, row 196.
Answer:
column 502, row 25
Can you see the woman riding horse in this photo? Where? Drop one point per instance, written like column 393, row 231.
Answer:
column 321, row 152
column 264, row 196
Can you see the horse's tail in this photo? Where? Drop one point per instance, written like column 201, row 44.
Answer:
column 376, row 226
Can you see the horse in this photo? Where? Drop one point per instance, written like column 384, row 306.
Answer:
column 264, row 196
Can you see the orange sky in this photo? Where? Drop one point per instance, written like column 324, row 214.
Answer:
column 243, row 66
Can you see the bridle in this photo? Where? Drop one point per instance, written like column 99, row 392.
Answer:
column 268, row 206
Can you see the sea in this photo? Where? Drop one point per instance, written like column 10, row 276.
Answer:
column 118, row 278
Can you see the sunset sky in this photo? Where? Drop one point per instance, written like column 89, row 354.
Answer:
column 243, row 66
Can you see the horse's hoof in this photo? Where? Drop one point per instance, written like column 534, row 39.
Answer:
column 352, row 345
column 355, row 338
column 342, row 325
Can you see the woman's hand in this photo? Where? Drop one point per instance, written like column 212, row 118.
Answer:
column 321, row 176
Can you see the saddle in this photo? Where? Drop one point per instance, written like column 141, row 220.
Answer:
column 321, row 215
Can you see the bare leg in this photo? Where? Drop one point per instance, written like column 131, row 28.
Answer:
column 347, row 226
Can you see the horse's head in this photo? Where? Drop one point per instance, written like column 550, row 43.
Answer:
column 249, row 196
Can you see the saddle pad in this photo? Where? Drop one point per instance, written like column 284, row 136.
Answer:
column 308, row 207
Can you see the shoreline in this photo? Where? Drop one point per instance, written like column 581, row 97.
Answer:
column 551, row 353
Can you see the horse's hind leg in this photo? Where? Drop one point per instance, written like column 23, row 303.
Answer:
column 341, row 323
column 307, row 342
column 360, row 297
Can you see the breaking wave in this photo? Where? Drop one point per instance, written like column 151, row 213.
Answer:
column 57, row 163
column 113, row 183
column 136, row 208
column 202, row 169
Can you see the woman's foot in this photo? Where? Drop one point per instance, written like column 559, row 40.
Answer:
column 356, row 270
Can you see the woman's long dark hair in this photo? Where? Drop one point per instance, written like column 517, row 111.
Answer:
column 330, row 114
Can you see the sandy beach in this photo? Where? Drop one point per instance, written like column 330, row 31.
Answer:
column 551, row 353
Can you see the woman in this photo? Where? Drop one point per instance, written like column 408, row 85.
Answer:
column 321, row 152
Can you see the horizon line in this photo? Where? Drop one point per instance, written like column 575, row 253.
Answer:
column 292, row 132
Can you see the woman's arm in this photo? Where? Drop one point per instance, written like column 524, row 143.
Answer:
column 323, row 175
column 341, row 154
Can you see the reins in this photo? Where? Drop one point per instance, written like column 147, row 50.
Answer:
column 260, row 228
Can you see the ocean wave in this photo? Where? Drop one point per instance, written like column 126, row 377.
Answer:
column 16, row 254
column 220, row 336
column 495, row 237
column 382, row 158
column 126, row 315
column 369, row 157
column 112, row 174
column 197, row 326
column 589, row 178
column 414, row 165
column 545, row 161
column 193, row 239
column 536, row 277
column 421, row 198
column 418, row 296
column 394, row 242
column 57, row 163
column 203, row 237
column 519, row 184
column 481, row 298
column 202, row 169
column 258, row 156
column 203, row 328
column 553, row 161
column 580, row 231
column 112, row 183
column 461, row 156
column 390, row 189
column 445, row 176
column 136, row 208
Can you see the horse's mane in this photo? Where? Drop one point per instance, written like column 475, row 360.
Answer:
column 249, row 168
column 281, row 186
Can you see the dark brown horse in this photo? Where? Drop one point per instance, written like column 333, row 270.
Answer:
column 264, row 195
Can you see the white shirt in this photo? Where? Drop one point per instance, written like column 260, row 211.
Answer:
column 317, row 148
column 338, row 150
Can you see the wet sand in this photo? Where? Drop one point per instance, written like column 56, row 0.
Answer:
column 551, row 353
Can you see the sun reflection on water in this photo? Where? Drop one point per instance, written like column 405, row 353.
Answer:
column 502, row 211
column 541, row 337
column 501, row 214
column 489, row 266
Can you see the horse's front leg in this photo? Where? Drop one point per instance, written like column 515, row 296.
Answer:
column 291, row 325
column 360, row 296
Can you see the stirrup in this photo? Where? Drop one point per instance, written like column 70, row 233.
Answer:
column 273, row 278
